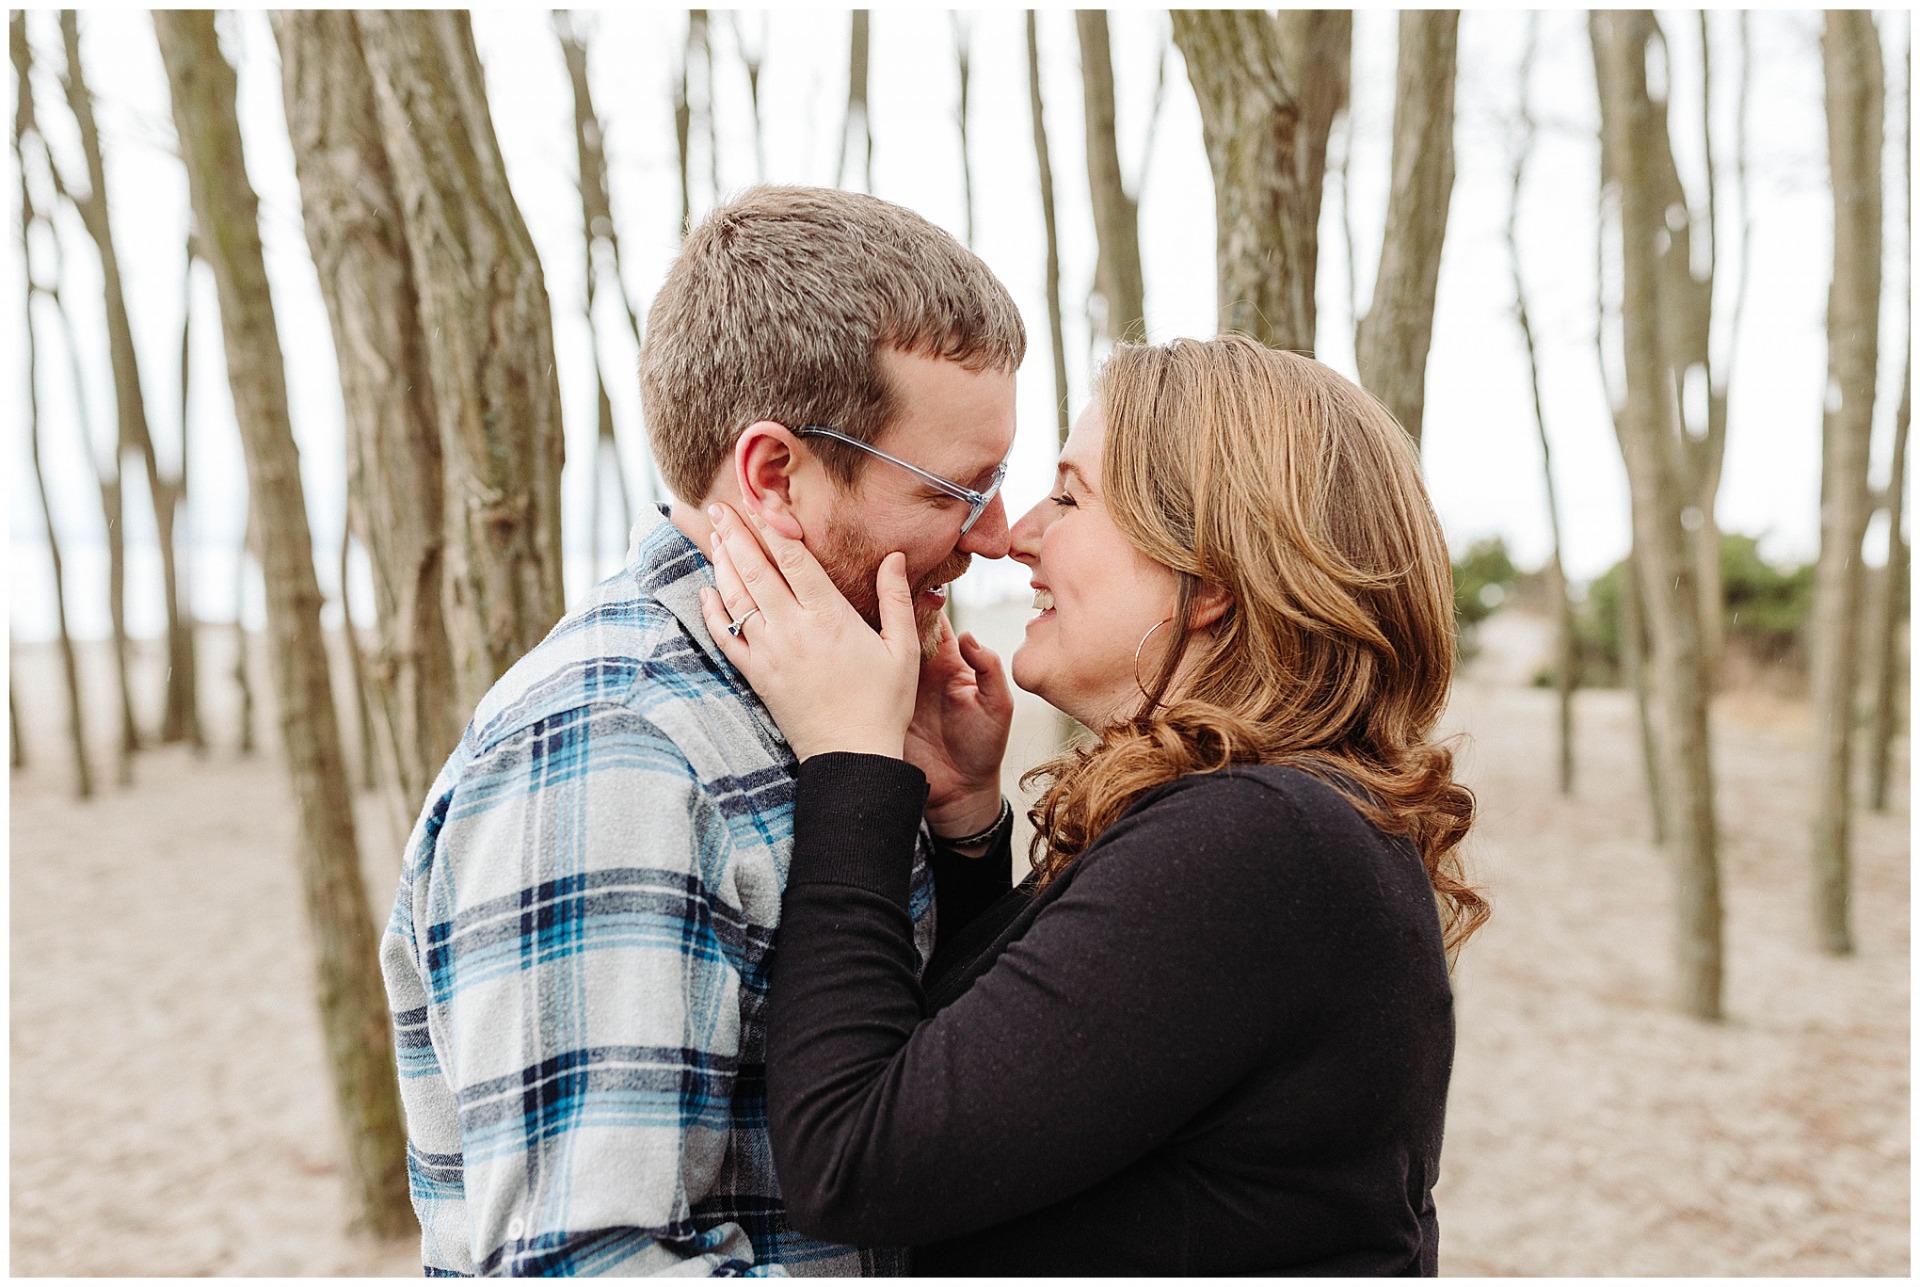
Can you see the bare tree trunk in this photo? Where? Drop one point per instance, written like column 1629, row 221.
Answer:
column 181, row 720
column 683, row 126
column 352, row 1001
column 1885, row 702
column 1855, row 79
column 189, row 677
column 963, row 65
column 701, row 37
column 1651, row 442
column 23, row 121
column 107, row 475
column 1709, row 453
column 597, row 230
column 1393, row 338
column 354, row 228
column 1689, row 265
column 19, row 751
column 1633, row 661
column 356, row 665
column 753, row 58
column 488, row 340
column 1566, row 663
column 1884, row 636
column 857, row 101
column 76, row 718
column 242, row 678
column 1347, row 235
column 1117, row 278
column 1055, row 330
column 1268, row 89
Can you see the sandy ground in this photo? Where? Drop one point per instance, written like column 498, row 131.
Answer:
column 170, row 1111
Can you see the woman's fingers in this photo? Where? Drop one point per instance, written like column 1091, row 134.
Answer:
column 808, row 582
column 726, row 576
column 896, row 601
column 714, row 610
column 741, row 569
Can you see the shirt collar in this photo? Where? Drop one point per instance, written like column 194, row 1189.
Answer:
column 673, row 569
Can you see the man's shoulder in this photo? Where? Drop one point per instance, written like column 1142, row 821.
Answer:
column 603, row 653
column 625, row 646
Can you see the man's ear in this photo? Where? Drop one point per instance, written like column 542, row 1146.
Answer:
column 765, row 459
column 1211, row 601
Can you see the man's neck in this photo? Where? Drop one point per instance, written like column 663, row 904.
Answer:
column 693, row 524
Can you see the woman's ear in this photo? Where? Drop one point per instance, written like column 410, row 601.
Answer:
column 1211, row 601
column 765, row 458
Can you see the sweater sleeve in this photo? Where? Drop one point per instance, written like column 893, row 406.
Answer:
column 1139, row 995
column 966, row 886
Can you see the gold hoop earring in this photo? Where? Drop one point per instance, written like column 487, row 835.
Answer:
column 1136, row 656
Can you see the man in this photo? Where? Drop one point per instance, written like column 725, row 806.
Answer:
column 577, row 959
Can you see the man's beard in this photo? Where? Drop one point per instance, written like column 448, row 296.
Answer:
column 851, row 559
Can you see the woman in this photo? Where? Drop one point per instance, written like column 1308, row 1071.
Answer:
column 1212, row 1031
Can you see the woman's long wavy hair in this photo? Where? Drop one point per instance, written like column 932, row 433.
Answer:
column 1268, row 474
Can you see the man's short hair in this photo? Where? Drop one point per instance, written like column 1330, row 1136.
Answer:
column 777, row 308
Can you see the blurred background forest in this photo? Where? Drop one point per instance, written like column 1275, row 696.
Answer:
column 314, row 306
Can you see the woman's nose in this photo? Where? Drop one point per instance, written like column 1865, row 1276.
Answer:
column 1024, row 537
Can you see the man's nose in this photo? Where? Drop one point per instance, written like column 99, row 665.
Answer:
column 988, row 535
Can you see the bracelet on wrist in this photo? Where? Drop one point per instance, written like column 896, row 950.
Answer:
column 980, row 837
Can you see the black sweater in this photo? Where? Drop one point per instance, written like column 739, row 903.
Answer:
column 1218, row 1043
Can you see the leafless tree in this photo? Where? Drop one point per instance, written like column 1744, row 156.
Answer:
column 181, row 720
column 1883, row 636
column 857, row 118
column 107, row 477
column 1566, row 665
column 1350, row 240
column 1651, row 438
column 1707, row 436
column 753, row 56
column 487, row 337
column 1268, row 88
column 352, row 214
column 1055, row 331
column 693, row 108
column 356, row 662
column 1855, row 81
column 242, row 646
column 1393, row 337
column 1699, row 373
column 190, row 677
column 963, row 66
column 23, row 124
column 1118, row 282
column 600, row 245
column 352, row 1001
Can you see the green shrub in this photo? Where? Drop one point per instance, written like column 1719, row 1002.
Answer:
column 1767, row 607
column 1482, row 579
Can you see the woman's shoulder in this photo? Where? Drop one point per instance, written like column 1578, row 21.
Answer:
column 1271, row 792
column 1265, row 823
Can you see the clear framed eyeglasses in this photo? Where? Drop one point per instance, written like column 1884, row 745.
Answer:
column 978, row 500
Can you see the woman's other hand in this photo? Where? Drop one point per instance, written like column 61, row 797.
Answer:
column 958, row 736
column 829, row 681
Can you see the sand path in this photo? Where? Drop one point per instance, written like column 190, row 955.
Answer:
column 170, row 1111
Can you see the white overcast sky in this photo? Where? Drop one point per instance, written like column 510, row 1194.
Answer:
column 1481, row 453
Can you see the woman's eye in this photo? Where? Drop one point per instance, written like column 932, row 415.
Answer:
column 1063, row 500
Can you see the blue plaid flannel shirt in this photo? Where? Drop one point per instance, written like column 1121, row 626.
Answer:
column 577, row 959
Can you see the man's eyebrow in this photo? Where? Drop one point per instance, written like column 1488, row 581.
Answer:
column 979, row 477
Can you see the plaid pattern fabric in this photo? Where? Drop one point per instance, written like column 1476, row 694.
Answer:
column 577, row 959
